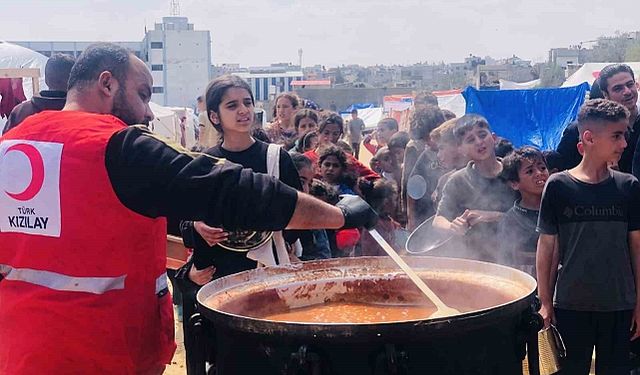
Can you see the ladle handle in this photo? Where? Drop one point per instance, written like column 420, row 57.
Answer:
column 405, row 267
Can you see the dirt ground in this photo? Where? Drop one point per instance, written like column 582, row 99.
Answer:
column 177, row 366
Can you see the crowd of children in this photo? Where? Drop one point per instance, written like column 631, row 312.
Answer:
column 501, row 204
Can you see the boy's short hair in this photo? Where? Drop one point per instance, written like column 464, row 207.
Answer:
column 503, row 147
column 323, row 191
column 300, row 161
column 467, row 122
column 511, row 163
column 354, row 111
column 599, row 111
column 448, row 115
column 331, row 118
column 389, row 123
column 444, row 132
column 423, row 120
column 377, row 192
column 344, row 146
column 382, row 152
column 399, row 140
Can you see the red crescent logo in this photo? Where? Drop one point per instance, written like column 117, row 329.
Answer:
column 37, row 171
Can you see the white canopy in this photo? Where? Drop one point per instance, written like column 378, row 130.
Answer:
column 14, row 56
column 167, row 123
column 590, row 71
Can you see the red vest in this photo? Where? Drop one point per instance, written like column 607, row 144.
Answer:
column 84, row 287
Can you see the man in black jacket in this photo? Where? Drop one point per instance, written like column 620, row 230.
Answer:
column 617, row 83
column 56, row 76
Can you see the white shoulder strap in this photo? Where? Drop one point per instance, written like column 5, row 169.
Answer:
column 273, row 160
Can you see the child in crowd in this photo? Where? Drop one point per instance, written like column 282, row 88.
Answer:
column 334, row 169
column 281, row 131
column 526, row 171
column 344, row 146
column 388, row 166
column 305, row 121
column 397, row 144
column 386, row 128
column 423, row 181
column 449, row 156
column 330, row 130
column 382, row 195
column 422, row 121
column 316, row 246
column 475, row 198
column 590, row 223
column 341, row 242
column 308, row 142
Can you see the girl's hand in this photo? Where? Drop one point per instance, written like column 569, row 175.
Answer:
column 211, row 235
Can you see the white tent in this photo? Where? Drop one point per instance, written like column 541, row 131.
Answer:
column 510, row 85
column 14, row 56
column 590, row 71
column 370, row 116
column 167, row 123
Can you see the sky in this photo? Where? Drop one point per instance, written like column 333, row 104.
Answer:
column 335, row 32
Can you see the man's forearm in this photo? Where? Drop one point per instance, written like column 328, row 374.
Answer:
column 544, row 261
column 312, row 213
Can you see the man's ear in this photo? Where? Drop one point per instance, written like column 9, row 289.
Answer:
column 605, row 94
column 495, row 137
column 515, row 185
column 107, row 84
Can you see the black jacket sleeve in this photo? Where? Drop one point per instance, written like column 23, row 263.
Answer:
column 568, row 146
column 154, row 178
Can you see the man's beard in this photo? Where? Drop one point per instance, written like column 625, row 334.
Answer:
column 121, row 109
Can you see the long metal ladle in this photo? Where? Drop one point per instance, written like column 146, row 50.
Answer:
column 442, row 308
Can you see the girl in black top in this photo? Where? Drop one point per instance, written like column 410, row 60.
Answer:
column 230, row 107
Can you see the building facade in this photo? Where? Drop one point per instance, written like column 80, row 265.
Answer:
column 178, row 57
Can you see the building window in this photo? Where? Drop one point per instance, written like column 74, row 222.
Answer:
column 156, row 67
column 157, row 90
column 156, row 45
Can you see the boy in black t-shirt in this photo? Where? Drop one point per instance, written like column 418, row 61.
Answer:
column 526, row 171
column 475, row 198
column 590, row 222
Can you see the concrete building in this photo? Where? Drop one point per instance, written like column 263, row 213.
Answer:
column 565, row 57
column 268, row 81
column 178, row 56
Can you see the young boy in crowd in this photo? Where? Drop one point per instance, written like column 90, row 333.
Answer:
column 475, row 198
column 397, row 144
column 590, row 222
column 526, row 172
column 449, row 156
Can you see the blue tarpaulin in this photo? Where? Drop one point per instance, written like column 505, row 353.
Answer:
column 528, row 117
column 358, row 106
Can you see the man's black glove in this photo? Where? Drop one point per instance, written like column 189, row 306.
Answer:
column 357, row 213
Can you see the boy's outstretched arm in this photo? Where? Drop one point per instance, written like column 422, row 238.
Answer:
column 546, row 257
column 634, row 248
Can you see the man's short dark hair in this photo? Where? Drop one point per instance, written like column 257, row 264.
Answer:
column 57, row 70
column 611, row 70
column 399, row 140
column 467, row 122
column 601, row 110
column 511, row 163
column 354, row 111
column 98, row 58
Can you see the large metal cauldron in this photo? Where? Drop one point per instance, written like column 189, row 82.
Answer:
column 487, row 338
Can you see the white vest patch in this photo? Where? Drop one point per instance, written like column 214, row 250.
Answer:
column 30, row 187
